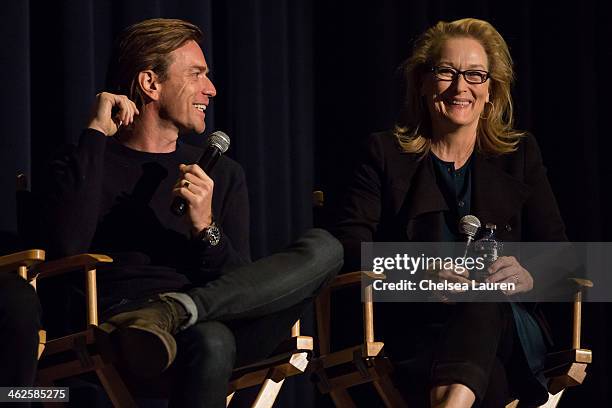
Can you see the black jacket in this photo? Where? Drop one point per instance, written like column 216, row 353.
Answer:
column 394, row 197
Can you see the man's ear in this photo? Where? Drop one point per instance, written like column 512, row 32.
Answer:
column 149, row 83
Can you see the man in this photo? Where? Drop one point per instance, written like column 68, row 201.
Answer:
column 180, row 287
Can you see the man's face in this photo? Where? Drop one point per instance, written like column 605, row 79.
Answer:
column 186, row 92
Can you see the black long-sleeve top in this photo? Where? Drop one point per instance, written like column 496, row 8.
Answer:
column 103, row 197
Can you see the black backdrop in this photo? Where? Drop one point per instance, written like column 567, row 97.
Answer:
column 301, row 82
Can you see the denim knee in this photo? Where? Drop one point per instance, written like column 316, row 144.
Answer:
column 326, row 249
column 210, row 345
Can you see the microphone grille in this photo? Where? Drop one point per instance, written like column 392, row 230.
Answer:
column 469, row 225
column 219, row 139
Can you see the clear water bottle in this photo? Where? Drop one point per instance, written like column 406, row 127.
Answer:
column 488, row 248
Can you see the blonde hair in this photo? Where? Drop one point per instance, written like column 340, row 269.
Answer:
column 495, row 133
column 147, row 45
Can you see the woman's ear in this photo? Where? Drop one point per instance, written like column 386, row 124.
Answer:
column 148, row 82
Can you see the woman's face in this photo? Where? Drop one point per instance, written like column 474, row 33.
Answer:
column 455, row 104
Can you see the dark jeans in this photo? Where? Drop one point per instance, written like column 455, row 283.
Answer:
column 246, row 313
column 209, row 351
column 20, row 321
column 273, row 283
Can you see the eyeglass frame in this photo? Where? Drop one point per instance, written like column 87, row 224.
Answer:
column 457, row 72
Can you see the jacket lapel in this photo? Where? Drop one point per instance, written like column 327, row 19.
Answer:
column 422, row 203
column 496, row 195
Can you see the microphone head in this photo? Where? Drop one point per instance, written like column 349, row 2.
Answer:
column 469, row 225
column 220, row 140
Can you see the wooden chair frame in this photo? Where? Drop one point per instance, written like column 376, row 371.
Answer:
column 366, row 362
column 90, row 349
column 567, row 368
column 86, row 351
column 289, row 359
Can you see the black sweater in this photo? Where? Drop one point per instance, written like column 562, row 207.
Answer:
column 103, row 197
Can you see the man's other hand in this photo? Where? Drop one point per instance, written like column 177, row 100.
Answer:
column 110, row 112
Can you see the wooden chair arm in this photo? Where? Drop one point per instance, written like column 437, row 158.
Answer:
column 26, row 259
column 582, row 283
column 71, row 263
column 84, row 262
column 346, row 280
column 352, row 278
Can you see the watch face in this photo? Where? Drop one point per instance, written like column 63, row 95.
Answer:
column 213, row 235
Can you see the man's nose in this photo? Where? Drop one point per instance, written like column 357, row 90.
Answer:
column 209, row 88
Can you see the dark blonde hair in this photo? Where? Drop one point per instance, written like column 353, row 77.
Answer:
column 146, row 45
column 495, row 134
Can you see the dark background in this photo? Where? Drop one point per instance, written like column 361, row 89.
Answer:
column 300, row 83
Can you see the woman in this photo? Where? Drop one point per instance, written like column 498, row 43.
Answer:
column 453, row 152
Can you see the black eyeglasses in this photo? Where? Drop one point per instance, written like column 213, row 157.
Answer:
column 471, row 76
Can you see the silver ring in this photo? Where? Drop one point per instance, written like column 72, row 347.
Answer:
column 186, row 184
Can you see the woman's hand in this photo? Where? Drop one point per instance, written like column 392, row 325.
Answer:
column 508, row 269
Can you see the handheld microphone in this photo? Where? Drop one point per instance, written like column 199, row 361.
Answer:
column 469, row 225
column 217, row 144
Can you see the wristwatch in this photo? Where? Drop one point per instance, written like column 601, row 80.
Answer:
column 210, row 235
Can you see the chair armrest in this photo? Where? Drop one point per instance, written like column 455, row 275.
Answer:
column 71, row 263
column 582, row 283
column 353, row 278
column 27, row 258
column 346, row 280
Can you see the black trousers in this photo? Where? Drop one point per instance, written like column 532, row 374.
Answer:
column 20, row 321
column 474, row 344
column 475, row 349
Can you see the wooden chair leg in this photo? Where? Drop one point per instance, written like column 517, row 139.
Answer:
column 115, row 387
column 553, row 400
column 342, row 399
column 42, row 340
column 512, row 404
column 269, row 391
column 389, row 394
column 228, row 399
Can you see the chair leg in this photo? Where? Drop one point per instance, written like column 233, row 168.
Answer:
column 553, row 400
column 228, row 399
column 389, row 394
column 342, row 399
column 268, row 392
column 115, row 387
column 42, row 341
